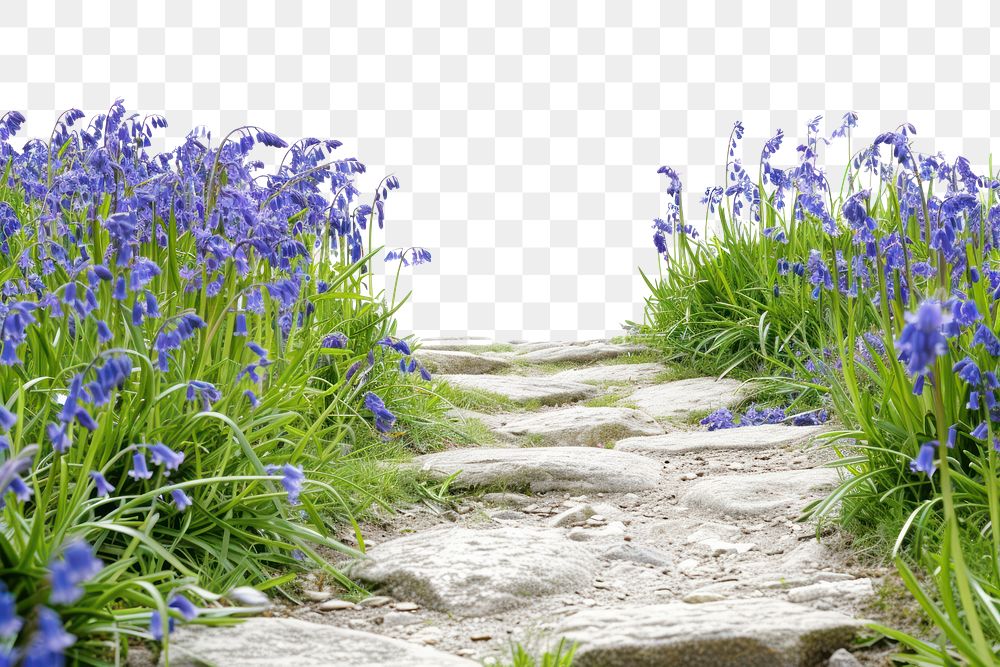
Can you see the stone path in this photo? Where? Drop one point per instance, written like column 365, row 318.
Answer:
column 620, row 526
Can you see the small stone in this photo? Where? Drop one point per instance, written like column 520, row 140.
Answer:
column 317, row 596
column 430, row 636
column 571, row 516
column 522, row 389
column 375, row 601
column 687, row 565
column 507, row 515
column 843, row 658
column 854, row 589
column 406, row 606
column 337, row 605
column 634, row 554
column 699, row 597
column 466, row 652
column 481, row 637
column 688, row 476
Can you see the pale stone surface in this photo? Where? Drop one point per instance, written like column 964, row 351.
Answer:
column 580, row 353
column 476, row 572
column 852, row 589
column 457, row 362
column 843, row 658
column 289, row 642
column 760, row 493
column 747, row 438
column 458, row 343
column 542, row 469
column 673, row 399
column 579, row 425
column 727, row 633
column 616, row 373
column 524, row 389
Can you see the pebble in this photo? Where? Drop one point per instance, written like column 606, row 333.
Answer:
column 481, row 637
column 318, row 596
column 688, row 476
column 575, row 514
column 337, row 605
column 697, row 597
column 429, row 636
column 406, row 606
column 375, row 601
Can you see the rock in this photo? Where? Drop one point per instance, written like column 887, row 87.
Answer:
column 317, row 596
column 843, row 658
column 634, row 554
column 507, row 499
column 580, row 353
column 852, row 589
column 476, row 572
column 675, row 399
column 398, row 619
column 613, row 530
column 543, row 469
column 748, row 438
column 406, row 606
column 375, row 601
column 453, row 362
column 289, row 642
column 717, row 547
column 572, row 515
column 456, row 343
column 727, row 633
column 337, row 605
column 701, row 597
column 524, row 389
column 579, row 425
column 613, row 373
column 760, row 493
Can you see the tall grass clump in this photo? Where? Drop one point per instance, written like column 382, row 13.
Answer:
column 881, row 298
column 195, row 377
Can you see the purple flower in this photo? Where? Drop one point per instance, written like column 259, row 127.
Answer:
column 181, row 500
column 292, row 478
column 925, row 459
column 252, row 397
column 814, row 418
column 102, row 487
column 77, row 566
column 240, row 327
column 204, row 391
column 183, row 606
column 10, row 622
column 984, row 336
column 921, row 341
column 336, row 341
column 139, row 469
column 156, row 625
column 384, row 419
column 7, row 419
column 163, row 455
column 49, row 642
column 720, row 419
column 968, row 371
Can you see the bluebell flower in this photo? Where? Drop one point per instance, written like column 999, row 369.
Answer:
column 814, row 418
column 968, row 371
column 352, row 370
column 10, row 622
column 925, row 459
column 292, row 478
column 156, row 625
column 240, row 326
column 203, row 391
column 7, row 419
column 425, row 374
column 119, row 293
column 984, row 336
column 181, row 500
column 77, row 566
column 399, row 345
column 139, row 469
column 257, row 349
column 921, row 340
column 49, row 642
column 384, row 420
column 103, row 332
column 101, row 486
column 720, row 419
column 981, row 431
column 252, row 397
column 58, row 435
column 952, row 436
column 163, row 455
column 183, row 606
column 336, row 341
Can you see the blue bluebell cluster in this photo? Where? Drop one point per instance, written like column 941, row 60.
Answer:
column 724, row 418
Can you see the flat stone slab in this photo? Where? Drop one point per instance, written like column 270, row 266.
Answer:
column 728, row 633
column 524, row 389
column 580, row 353
column 617, row 373
column 455, row 343
column 476, row 572
column 289, row 642
column 673, row 399
column 580, row 425
column 747, row 438
column 760, row 493
column 543, row 469
column 454, row 362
